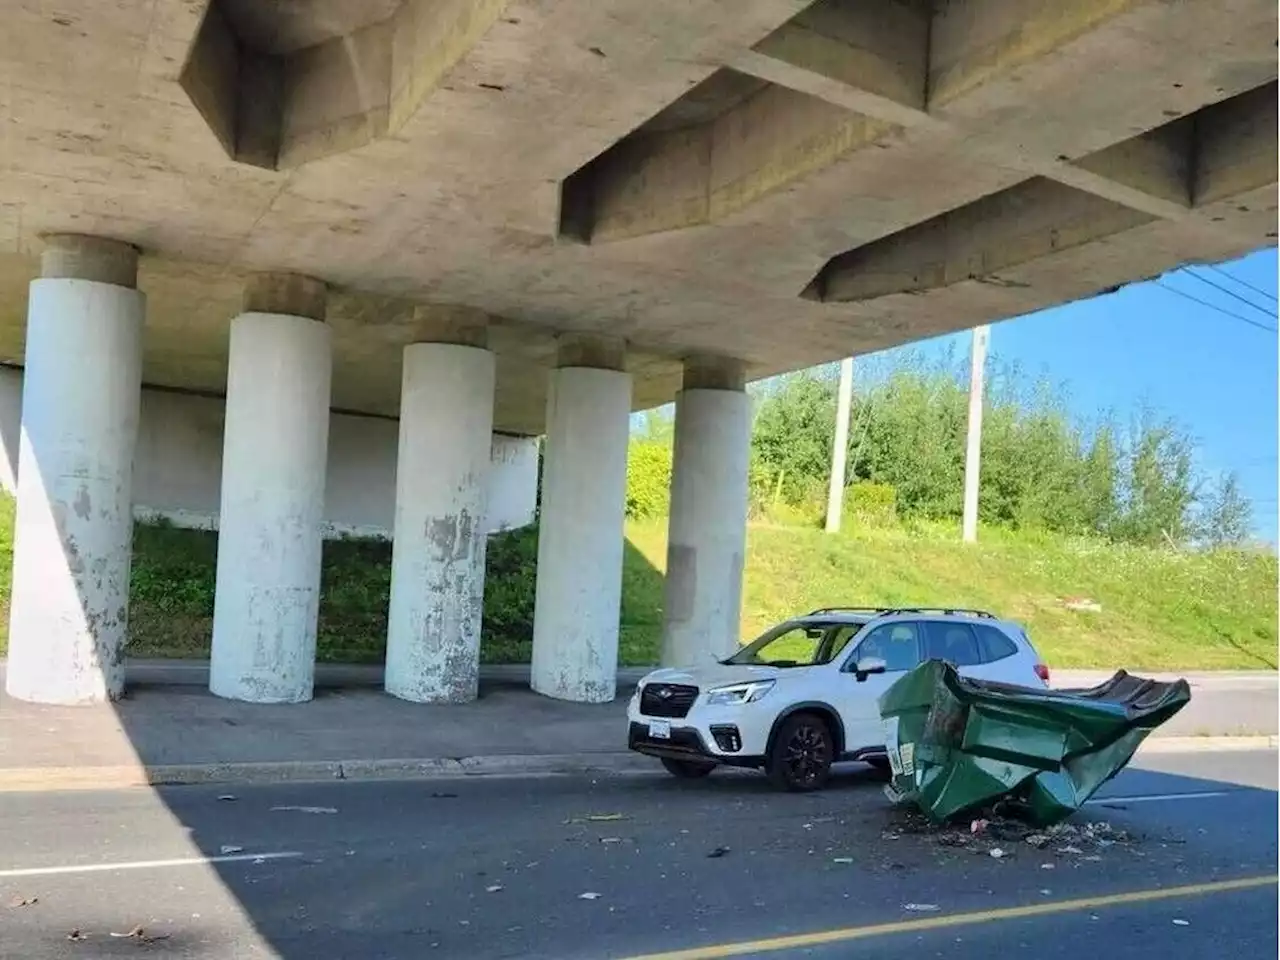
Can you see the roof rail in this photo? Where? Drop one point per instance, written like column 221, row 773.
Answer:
column 945, row 611
column 878, row 611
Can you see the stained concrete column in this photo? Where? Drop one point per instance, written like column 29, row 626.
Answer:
column 437, row 558
column 274, row 450
column 73, row 532
column 706, row 534
column 580, row 539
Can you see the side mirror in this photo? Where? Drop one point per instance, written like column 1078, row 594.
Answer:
column 867, row 666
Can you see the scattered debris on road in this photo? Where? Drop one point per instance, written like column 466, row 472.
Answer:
column 75, row 936
column 842, row 859
column 493, row 888
column 230, row 848
column 717, row 852
column 597, row 818
column 291, row 808
column 140, row 934
column 21, row 901
column 227, row 798
column 1003, row 834
column 1182, row 923
column 921, row 907
column 589, row 895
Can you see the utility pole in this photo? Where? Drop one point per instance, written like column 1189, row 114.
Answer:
column 973, row 451
column 840, row 446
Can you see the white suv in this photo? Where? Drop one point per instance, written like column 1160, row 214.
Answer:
column 804, row 694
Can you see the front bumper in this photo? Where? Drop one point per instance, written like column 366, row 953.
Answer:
column 685, row 743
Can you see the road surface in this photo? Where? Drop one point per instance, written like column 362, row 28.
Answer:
column 566, row 868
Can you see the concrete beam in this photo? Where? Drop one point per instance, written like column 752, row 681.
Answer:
column 1225, row 149
column 657, row 180
column 1026, row 222
column 279, row 108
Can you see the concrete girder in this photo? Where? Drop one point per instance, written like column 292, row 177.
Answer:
column 1225, row 149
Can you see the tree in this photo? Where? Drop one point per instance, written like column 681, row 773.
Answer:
column 1226, row 515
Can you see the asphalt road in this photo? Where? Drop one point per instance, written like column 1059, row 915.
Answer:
column 499, row 868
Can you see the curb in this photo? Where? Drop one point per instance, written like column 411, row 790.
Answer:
column 41, row 779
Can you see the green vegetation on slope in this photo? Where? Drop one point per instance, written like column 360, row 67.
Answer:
column 1160, row 609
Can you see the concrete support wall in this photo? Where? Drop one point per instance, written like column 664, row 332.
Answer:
column 74, row 527
column 178, row 465
column 575, row 627
column 706, row 539
column 437, row 567
column 269, row 540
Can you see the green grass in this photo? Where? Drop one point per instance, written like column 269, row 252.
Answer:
column 1160, row 609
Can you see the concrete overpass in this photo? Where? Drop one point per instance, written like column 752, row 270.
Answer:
column 532, row 216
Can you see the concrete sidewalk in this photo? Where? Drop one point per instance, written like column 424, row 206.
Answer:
column 170, row 729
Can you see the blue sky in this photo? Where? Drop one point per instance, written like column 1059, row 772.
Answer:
column 1211, row 371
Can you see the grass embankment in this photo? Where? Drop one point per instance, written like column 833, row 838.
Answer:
column 1160, row 609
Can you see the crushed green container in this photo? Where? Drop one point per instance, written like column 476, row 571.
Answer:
column 957, row 745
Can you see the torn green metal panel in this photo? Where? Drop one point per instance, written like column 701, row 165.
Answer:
column 957, row 744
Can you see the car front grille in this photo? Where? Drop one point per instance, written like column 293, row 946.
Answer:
column 667, row 699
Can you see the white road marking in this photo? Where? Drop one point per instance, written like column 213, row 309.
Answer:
column 145, row 864
column 1151, row 797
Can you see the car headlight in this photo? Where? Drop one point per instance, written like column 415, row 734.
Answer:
column 739, row 693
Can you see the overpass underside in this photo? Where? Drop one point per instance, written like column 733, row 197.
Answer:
column 535, row 216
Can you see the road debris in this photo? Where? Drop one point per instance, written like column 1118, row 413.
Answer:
column 292, row 808
column 597, row 818
column 921, row 907
column 140, row 934
column 717, row 852
column 21, row 901
column 978, row 826
column 75, row 936
column 842, row 859
column 1182, row 923
column 227, row 798
column 230, row 848
column 996, row 853
column 589, row 895
column 611, row 839
column 493, row 888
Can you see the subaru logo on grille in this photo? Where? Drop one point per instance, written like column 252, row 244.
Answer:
column 664, row 693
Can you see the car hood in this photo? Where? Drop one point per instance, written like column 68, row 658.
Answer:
column 715, row 674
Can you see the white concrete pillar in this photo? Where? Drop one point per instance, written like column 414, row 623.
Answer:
column 73, row 535
column 437, row 559
column 580, row 540
column 707, row 529
column 274, row 451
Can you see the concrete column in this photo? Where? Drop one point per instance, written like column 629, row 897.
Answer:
column 580, row 540
column 73, row 534
column 707, row 530
column 437, row 560
column 274, row 449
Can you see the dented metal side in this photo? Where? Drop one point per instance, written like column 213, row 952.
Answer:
column 957, row 744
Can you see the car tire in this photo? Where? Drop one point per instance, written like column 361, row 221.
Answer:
column 802, row 753
column 687, row 769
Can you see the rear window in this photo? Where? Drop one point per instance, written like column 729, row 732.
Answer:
column 993, row 644
column 953, row 642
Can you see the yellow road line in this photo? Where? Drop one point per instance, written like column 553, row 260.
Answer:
column 822, row 937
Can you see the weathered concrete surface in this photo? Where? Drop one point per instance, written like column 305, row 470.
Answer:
column 707, row 530
column 438, row 551
column 914, row 167
column 273, row 470
column 580, row 538
column 73, row 532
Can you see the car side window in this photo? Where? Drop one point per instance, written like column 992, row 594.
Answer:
column 897, row 644
column 953, row 642
column 993, row 644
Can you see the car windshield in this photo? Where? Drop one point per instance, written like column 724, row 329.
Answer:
column 796, row 643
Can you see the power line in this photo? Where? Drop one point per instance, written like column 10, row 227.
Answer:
column 1229, row 293
column 1245, row 283
column 1214, row 306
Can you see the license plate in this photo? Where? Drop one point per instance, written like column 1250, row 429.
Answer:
column 660, row 729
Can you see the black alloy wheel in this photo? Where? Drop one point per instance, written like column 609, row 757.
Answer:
column 802, row 754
